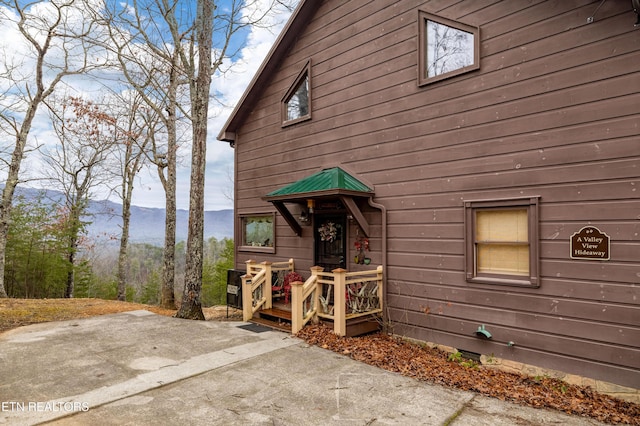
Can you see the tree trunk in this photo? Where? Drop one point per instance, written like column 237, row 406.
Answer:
column 75, row 211
column 127, row 185
column 167, row 299
column 191, row 306
column 169, row 255
column 12, row 182
column 68, row 291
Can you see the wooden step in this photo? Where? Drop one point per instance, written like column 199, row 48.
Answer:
column 276, row 314
column 280, row 319
column 277, row 325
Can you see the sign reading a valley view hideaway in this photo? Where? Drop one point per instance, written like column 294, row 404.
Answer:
column 590, row 244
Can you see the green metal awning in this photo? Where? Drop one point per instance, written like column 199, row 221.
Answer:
column 334, row 182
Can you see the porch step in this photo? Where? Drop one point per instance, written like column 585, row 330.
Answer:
column 272, row 324
column 274, row 318
column 280, row 319
column 275, row 313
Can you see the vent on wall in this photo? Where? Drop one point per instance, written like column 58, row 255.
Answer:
column 470, row 355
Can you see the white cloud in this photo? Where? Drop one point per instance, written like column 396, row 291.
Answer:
column 228, row 88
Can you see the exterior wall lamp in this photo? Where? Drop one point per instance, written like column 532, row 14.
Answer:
column 304, row 216
column 311, row 205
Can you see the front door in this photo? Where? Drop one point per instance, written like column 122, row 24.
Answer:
column 330, row 241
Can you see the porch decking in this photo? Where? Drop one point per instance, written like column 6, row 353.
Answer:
column 352, row 301
column 280, row 319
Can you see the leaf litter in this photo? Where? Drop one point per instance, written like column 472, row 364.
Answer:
column 436, row 366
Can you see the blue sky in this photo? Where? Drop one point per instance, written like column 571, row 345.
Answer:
column 251, row 45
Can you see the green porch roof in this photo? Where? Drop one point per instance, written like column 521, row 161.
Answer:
column 334, row 181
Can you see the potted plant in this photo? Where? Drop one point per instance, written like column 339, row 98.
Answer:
column 291, row 277
column 362, row 246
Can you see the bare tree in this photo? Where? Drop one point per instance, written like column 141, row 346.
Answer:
column 54, row 36
column 86, row 138
column 151, row 65
column 191, row 306
column 159, row 54
column 135, row 125
column 204, row 60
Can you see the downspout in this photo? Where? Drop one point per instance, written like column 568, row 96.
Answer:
column 383, row 210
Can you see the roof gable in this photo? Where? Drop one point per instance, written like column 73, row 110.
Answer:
column 298, row 20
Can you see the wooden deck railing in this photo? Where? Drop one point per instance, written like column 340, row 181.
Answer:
column 257, row 283
column 304, row 300
column 338, row 295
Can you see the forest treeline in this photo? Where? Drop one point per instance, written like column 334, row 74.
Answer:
column 37, row 261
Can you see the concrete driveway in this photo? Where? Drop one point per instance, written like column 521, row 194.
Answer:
column 139, row 368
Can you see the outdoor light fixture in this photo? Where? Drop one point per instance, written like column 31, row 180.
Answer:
column 310, row 205
column 304, row 217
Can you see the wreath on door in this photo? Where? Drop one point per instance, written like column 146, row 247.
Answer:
column 328, row 232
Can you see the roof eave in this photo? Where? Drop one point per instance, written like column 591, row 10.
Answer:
column 300, row 196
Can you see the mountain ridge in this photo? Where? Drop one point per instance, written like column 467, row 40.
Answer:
column 147, row 223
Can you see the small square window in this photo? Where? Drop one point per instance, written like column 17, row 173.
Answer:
column 502, row 241
column 258, row 233
column 446, row 48
column 296, row 104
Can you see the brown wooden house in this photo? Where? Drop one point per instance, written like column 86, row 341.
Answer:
column 485, row 153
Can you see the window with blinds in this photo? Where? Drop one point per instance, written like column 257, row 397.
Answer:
column 501, row 244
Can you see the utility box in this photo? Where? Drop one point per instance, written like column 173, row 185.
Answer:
column 234, row 288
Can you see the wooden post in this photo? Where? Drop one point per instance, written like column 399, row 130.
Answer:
column 268, row 304
column 249, row 263
column 297, row 314
column 297, row 299
column 315, row 270
column 247, row 298
column 339, row 302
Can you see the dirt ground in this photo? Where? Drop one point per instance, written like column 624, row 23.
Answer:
column 18, row 312
column 380, row 350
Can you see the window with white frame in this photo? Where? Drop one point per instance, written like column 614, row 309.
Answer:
column 502, row 241
column 446, row 48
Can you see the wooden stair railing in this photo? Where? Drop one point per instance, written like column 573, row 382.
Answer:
column 257, row 285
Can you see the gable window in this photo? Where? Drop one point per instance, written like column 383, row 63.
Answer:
column 258, row 232
column 446, row 48
column 502, row 241
column 296, row 105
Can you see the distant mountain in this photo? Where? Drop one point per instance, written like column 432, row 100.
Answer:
column 147, row 224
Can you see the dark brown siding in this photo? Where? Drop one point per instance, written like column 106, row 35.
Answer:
column 554, row 112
